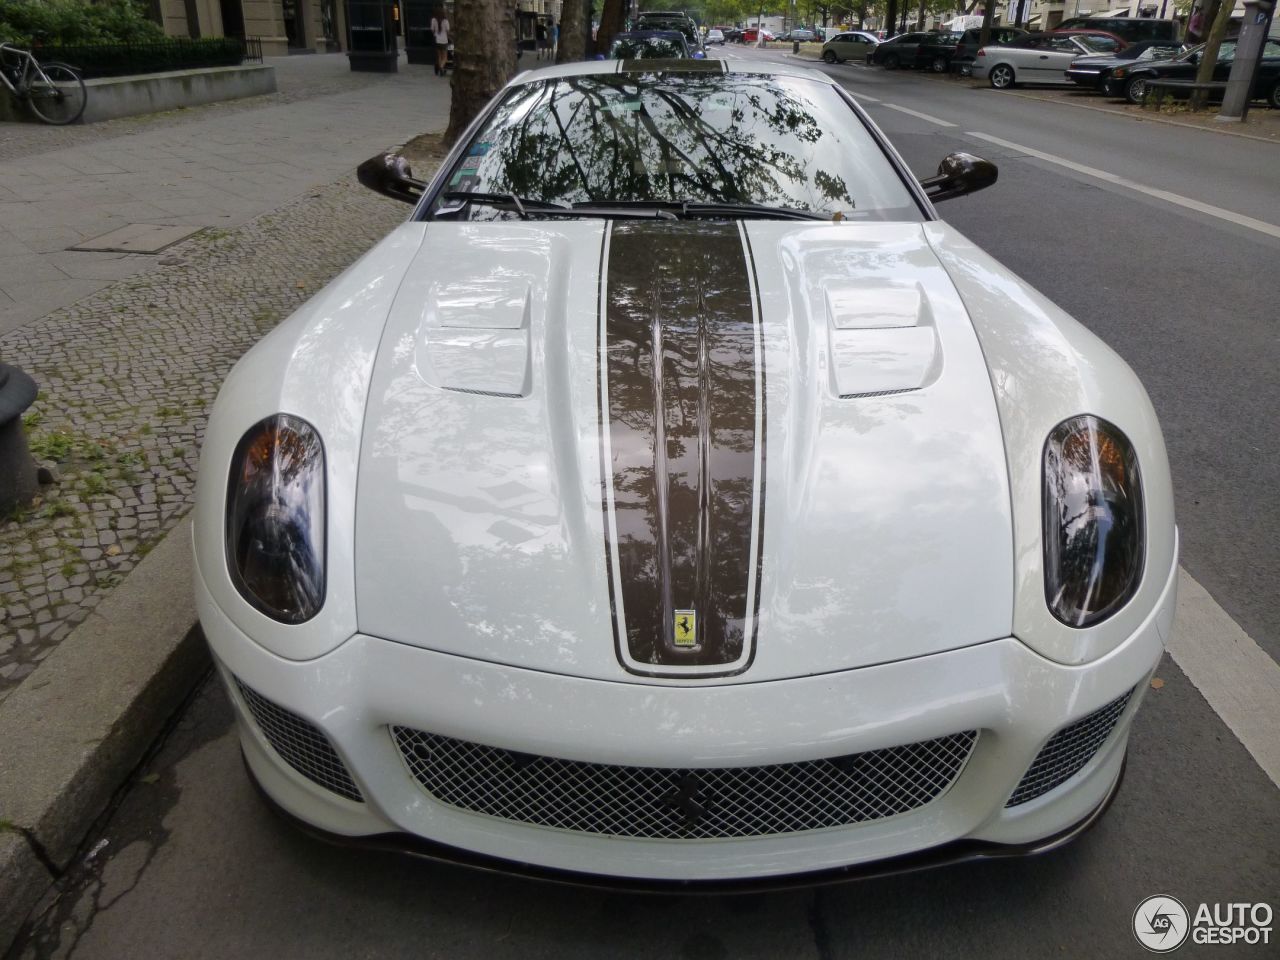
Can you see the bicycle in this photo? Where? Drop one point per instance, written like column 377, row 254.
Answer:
column 54, row 92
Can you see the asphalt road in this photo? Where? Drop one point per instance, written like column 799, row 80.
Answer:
column 192, row 865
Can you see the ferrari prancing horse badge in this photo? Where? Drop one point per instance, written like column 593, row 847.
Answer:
column 686, row 628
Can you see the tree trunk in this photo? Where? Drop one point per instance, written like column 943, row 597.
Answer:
column 988, row 14
column 1209, row 57
column 891, row 17
column 611, row 19
column 574, row 24
column 1201, row 20
column 484, row 51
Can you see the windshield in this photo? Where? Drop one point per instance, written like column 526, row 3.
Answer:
column 1099, row 44
column 647, row 48
column 672, row 137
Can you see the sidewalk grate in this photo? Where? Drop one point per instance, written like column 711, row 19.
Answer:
column 138, row 238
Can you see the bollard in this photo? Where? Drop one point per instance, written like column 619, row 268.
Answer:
column 18, row 476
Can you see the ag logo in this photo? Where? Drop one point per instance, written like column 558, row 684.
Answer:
column 1161, row 923
column 686, row 628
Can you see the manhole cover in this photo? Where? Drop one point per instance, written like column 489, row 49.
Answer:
column 138, row 238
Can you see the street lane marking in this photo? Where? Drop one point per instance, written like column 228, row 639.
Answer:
column 863, row 96
column 1270, row 229
column 1237, row 677
column 922, row 116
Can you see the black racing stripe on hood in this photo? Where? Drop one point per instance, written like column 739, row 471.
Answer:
column 680, row 358
column 681, row 65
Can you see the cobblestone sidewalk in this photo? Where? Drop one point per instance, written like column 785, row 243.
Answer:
column 126, row 377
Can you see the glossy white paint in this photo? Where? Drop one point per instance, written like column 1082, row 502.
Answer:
column 1045, row 367
column 1014, row 697
column 316, row 365
column 452, row 375
column 887, row 531
column 479, row 526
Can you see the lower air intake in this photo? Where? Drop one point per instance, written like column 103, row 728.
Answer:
column 1068, row 751
column 300, row 744
column 670, row 804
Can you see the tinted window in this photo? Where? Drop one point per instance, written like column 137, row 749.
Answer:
column 1100, row 44
column 701, row 137
column 647, row 48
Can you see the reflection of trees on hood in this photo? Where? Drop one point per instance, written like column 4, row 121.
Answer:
column 705, row 139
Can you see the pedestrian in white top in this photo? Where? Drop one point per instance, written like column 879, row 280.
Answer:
column 440, row 29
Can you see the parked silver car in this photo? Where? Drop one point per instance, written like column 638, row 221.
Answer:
column 1035, row 58
column 852, row 45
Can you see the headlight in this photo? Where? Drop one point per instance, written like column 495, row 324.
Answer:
column 1093, row 521
column 275, row 518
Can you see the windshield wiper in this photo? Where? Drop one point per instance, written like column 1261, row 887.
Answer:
column 503, row 201
column 526, row 208
column 684, row 209
column 759, row 210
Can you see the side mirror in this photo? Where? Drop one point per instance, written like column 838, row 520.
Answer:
column 699, row 56
column 958, row 174
column 389, row 175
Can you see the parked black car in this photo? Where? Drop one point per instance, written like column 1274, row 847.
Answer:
column 1094, row 72
column 1132, row 29
column 936, row 52
column 1131, row 82
column 649, row 45
column 900, row 51
column 667, row 20
column 967, row 49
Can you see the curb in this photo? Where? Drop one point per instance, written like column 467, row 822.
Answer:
column 1152, row 119
column 79, row 725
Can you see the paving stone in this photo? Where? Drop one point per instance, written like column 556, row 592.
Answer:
column 130, row 383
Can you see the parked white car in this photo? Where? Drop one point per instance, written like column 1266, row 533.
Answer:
column 709, row 520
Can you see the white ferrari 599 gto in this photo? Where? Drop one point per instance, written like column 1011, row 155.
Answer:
column 676, row 498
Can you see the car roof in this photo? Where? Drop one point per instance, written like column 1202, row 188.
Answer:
column 589, row 67
column 649, row 34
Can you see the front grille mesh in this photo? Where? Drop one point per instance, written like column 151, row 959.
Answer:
column 300, row 744
column 668, row 804
column 1068, row 751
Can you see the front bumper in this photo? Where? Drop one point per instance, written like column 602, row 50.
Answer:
column 1016, row 700
column 1091, row 79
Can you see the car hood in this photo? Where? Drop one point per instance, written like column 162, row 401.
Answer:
column 1099, row 61
column 678, row 451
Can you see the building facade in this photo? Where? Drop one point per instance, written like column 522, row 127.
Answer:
column 283, row 26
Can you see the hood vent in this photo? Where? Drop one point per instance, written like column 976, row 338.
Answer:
column 474, row 335
column 881, row 337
